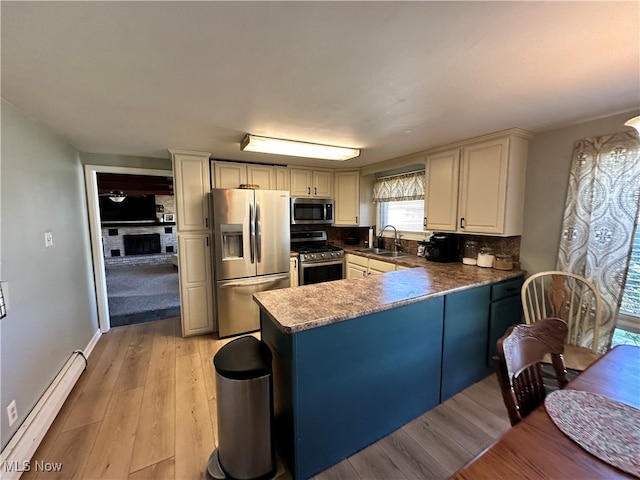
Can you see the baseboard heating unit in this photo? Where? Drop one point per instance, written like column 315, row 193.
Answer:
column 27, row 438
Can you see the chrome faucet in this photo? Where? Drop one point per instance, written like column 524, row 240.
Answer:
column 396, row 244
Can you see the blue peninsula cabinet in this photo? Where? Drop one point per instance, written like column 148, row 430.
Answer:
column 341, row 387
column 474, row 320
column 464, row 340
column 355, row 359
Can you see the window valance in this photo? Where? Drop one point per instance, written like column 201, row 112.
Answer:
column 407, row 186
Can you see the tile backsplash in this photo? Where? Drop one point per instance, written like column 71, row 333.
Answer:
column 505, row 245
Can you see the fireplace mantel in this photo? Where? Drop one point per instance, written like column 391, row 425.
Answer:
column 136, row 224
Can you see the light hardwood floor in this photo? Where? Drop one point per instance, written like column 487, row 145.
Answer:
column 145, row 409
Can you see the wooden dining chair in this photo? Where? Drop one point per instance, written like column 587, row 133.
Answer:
column 518, row 364
column 575, row 300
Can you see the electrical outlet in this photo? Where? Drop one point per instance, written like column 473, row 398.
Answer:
column 12, row 412
column 48, row 239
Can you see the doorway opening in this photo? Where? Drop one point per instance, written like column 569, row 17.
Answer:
column 134, row 244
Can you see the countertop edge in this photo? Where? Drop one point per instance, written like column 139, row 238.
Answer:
column 385, row 281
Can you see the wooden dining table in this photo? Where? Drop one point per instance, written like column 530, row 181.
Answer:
column 536, row 448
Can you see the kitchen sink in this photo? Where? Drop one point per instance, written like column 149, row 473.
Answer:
column 376, row 251
column 394, row 254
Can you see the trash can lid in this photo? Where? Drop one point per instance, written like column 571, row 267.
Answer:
column 243, row 358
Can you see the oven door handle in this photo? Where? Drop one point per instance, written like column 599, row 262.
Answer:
column 322, row 263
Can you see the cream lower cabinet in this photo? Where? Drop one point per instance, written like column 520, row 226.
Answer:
column 293, row 272
column 232, row 175
column 196, row 283
column 478, row 186
column 358, row 266
column 377, row 266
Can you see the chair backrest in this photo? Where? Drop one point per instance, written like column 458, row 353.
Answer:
column 567, row 296
column 518, row 364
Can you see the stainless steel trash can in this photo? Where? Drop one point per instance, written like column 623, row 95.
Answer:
column 245, row 411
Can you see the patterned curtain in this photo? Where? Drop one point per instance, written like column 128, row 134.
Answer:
column 408, row 186
column 600, row 218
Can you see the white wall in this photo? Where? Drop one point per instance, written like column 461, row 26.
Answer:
column 548, row 166
column 52, row 292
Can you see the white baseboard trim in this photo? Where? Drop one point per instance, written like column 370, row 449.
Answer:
column 92, row 343
column 16, row 456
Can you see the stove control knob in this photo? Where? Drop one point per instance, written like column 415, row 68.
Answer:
column 323, row 255
column 333, row 254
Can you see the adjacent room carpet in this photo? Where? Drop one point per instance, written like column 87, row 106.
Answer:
column 142, row 293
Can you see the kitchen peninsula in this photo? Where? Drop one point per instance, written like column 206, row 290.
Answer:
column 356, row 359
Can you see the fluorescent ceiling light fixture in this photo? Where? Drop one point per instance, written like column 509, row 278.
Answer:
column 253, row 143
column 634, row 122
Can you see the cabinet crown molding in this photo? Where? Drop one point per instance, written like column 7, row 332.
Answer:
column 511, row 132
column 174, row 151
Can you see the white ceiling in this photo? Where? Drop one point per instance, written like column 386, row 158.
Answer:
column 391, row 78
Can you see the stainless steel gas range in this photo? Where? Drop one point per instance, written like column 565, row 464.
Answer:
column 318, row 261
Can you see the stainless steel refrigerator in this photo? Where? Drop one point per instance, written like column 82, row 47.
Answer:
column 251, row 252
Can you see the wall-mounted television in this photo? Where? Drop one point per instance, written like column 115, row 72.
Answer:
column 131, row 209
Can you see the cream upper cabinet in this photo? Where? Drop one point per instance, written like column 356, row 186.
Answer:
column 191, row 188
column 232, row 175
column 347, row 198
column 310, row 183
column 482, row 181
column 483, row 186
column 229, row 174
column 263, row 175
column 282, row 178
column 492, row 181
column 441, row 203
column 322, row 183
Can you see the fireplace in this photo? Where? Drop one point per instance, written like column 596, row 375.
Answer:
column 141, row 244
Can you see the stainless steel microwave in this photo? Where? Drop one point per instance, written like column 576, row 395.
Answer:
column 306, row 210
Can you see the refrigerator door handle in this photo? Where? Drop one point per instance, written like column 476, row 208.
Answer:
column 258, row 234
column 251, row 283
column 252, row 233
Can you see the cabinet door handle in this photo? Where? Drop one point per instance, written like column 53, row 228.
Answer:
column 356, row 219
column 424, row 222
column 308, row 190
column 206, row 222
column 315, row 190
column 207, row 240
column 462, row 223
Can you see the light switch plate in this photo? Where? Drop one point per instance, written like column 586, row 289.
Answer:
column 48, row 239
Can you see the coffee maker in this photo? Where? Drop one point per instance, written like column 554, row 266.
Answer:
column 442, row 247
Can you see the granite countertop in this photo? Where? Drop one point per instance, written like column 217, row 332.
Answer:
column 310, row 306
